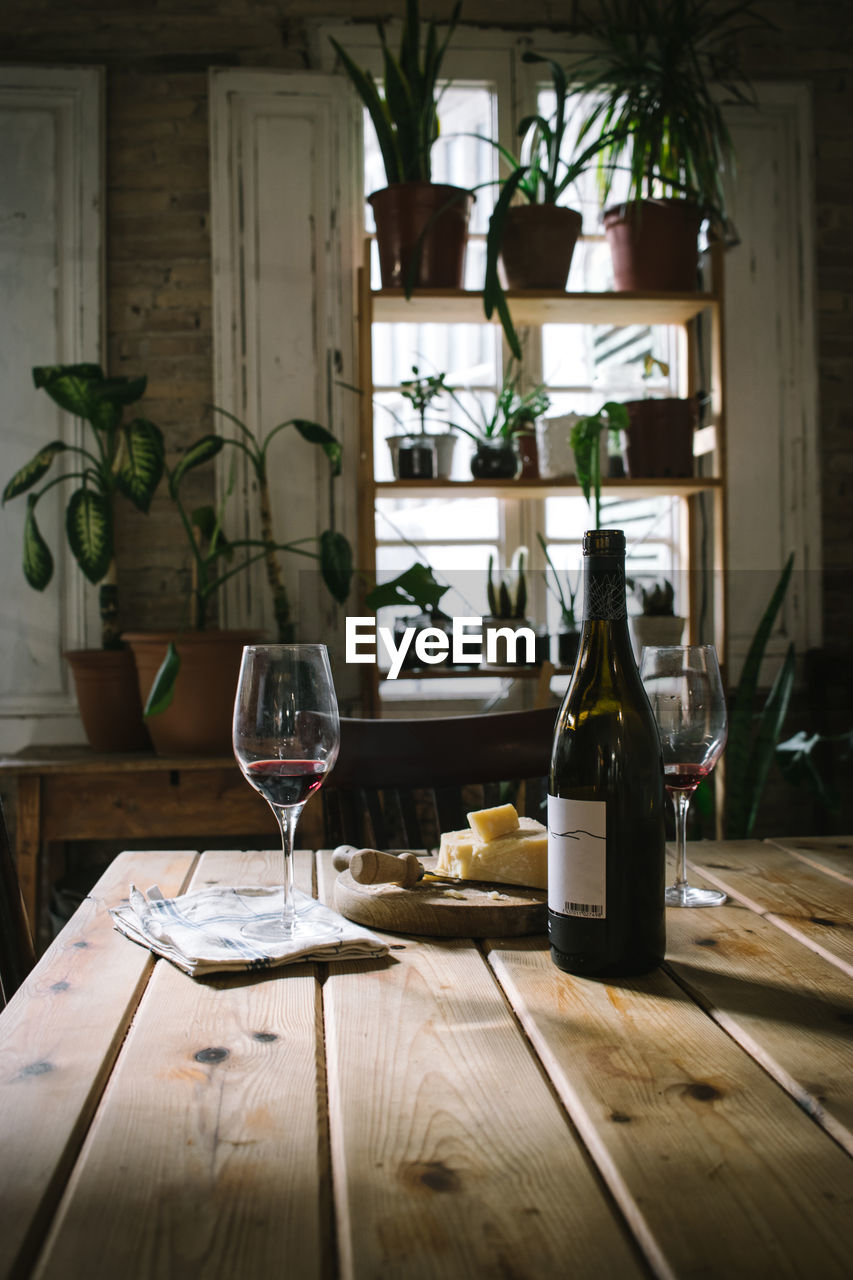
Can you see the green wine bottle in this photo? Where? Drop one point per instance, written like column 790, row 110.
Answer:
column 606, row 793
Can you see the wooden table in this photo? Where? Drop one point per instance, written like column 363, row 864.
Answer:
column 72, row 793
column 459, row 1109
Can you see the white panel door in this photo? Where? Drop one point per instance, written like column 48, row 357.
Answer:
column 51, row 241
column 286, row 154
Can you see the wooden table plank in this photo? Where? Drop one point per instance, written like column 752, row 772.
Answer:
column 59, row 1037
column 719, row 1172
column 209, row 1146
column 450, row 1154
column 813, row 907
column 791, row 1009
column 833, row 854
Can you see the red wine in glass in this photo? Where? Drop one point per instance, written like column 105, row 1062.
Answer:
column 286, row 735
column 685, row 690
column 286, row 782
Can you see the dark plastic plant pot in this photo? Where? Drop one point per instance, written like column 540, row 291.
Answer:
column 568, row 643
column 654, row 245
column 408, row 210
column 537, row 245
column 659, row 439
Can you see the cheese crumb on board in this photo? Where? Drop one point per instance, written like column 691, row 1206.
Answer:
column 518, row 856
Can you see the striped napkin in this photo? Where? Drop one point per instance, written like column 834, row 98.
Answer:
column 202, row 932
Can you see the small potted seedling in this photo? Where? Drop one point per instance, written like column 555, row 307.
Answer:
column 507, row 599
column 568, row 637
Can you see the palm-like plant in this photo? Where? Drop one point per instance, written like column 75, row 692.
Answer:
column 654, row 81
column 125, row 458
column 405, row 113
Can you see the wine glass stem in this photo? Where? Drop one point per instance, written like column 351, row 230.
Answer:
column 288, row 816
column 681, row 803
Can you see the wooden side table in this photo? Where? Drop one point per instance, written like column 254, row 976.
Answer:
column 72, row 793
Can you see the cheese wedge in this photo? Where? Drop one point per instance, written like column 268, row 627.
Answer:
column 488, row 824
column 517, row 857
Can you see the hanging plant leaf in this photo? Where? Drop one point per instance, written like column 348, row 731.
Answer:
column 162, row 691
column 142, row 465
column 38, row 562
column 197, row 454
column 336, row 564
column 70, row 385
column 33, row 471
column 315, row 434
column 89, row 527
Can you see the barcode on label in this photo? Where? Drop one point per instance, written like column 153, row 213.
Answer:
column 591, row 909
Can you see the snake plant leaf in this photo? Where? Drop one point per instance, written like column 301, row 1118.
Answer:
column 336, row 564
column 315, row 434
column 33, row 471
column 142, row 466
column 70, row 385
column 366, row 88
column 38, row 562
column 89, row 527
column 162, row 690
column 197, row 454
column 798, row 763
column 745, row 794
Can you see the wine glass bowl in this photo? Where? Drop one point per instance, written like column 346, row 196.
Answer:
column 286, row 735
column 685, row 690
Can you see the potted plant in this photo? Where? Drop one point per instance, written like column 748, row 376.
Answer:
column 415, row 586
column 653, row 79
column 535, row 239
column 568, row 637
column 496, row 455
column 188, row 679
column 421, row 390
column 421, row 226
column 658, row 440
column 586, row 436
column 117, row 457
column 507, row 610
column 657, row 623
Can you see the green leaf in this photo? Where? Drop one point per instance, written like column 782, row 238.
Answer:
column 71, row 386
column 89, row 527
column 121, row 391
column 415, row 586
column 315, row 434
column 38, row 562
column 761, row 756
column 33, row 471
column 196, row 455
column 207, row 521
column 142, row 466
column 336, row 564
column 163, row 689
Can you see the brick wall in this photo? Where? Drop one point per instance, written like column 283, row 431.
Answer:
column 158, row 248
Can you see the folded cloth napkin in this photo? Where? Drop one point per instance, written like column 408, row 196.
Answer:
column 202, row 932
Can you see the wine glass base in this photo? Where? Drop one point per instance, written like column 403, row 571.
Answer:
column 684, row 895
column 297, row 930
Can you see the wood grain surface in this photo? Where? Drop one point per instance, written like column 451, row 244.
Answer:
column 210, row 1126
column 61, row 1033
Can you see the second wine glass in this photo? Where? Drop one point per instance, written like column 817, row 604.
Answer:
column 685, row 690
column 286, row 735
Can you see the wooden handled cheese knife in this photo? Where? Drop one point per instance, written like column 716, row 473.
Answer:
column 403, row 868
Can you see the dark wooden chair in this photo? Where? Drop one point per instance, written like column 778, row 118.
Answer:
column 17, row 955
column 398, row 784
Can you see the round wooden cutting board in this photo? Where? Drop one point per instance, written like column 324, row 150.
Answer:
column 443, row 911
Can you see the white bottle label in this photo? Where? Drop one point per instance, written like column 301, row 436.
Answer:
column 577, row 857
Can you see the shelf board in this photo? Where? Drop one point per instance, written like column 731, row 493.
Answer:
column 441, row 672
column 623, row 488
column 537, row 306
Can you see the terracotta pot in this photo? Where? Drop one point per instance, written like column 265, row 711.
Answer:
column 659, row 439
column 529, row 454
column 537, row 245
column 198, row 721
column 108, row 699
column 407, row 210
column 654, row 245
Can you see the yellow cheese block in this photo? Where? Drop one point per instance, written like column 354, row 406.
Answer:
column 488, row 824
column 519, row 857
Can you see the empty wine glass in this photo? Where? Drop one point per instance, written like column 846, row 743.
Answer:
column 286, row 735
column 686, row 694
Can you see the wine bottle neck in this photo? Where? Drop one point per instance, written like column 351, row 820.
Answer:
column 604, row 589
